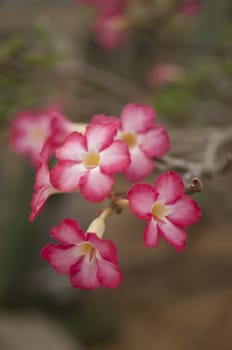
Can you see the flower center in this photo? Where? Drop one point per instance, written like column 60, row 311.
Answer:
column 91, row 160
column 129, row 138
column 116, row 23
column 159, row 211
column 88, row 250
column 38, row 135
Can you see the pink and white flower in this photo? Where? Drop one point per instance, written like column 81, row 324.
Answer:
column 166, row 209
column 31, row 129
column 42, row 186
column 145, row 139
column 164, row 73
column 109, row 30
column 90, row 261
column 109, row 26
column 88, row 162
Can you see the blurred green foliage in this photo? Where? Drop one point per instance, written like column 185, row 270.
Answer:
column 173, row 101
column 21, row 57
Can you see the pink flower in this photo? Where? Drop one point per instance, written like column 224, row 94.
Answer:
column 31, row 129
column 42, row 187
column 109, row 30
column 145, row 139
column 88, row 162
column 165, row 73
column 191, row 7
column 90, row 261
column 109, row 26
column 166, row 209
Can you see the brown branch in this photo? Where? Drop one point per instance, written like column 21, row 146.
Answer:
column 210, row 164
column 209, row 167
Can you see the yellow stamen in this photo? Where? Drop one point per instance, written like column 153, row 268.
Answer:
column 159, row 211
column 91, row 160
column 129, row 138
column 88, row 250
column 38, row 134
column 118, row 23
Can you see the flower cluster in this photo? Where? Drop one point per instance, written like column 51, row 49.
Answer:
column 87, row 158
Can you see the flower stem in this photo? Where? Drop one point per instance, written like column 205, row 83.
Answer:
column 106, row 212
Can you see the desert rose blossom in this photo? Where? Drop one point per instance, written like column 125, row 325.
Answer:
column 164, row 73
column 145, row 139
column 166, row 209
column 90, row 261
column 109, row 26
column 109, row 29
column 30, row 130
column 88, row 162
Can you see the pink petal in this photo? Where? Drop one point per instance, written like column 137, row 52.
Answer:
column 137, row 118
column 140, row 167
column 141, row 199
column 42, row 176
column 38, row 201
column 84, row 274
column 66, row 175
column 96, row 186
column 108, row 273
column 155, row 142
column 106, row 248
column 184, row 212
column 169, row 186
column 68, row 232
column 174, row 235
column 100, row 136
column 20, row 129
column 115, row 158
column 46, row 151
column 60, row 257
column 73, row 148
column 105, row 119
column 61, row 127
column 151, row 235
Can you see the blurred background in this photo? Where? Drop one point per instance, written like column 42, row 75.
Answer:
column 177, row 57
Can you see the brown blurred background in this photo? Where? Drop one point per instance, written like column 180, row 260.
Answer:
column 167, row 300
